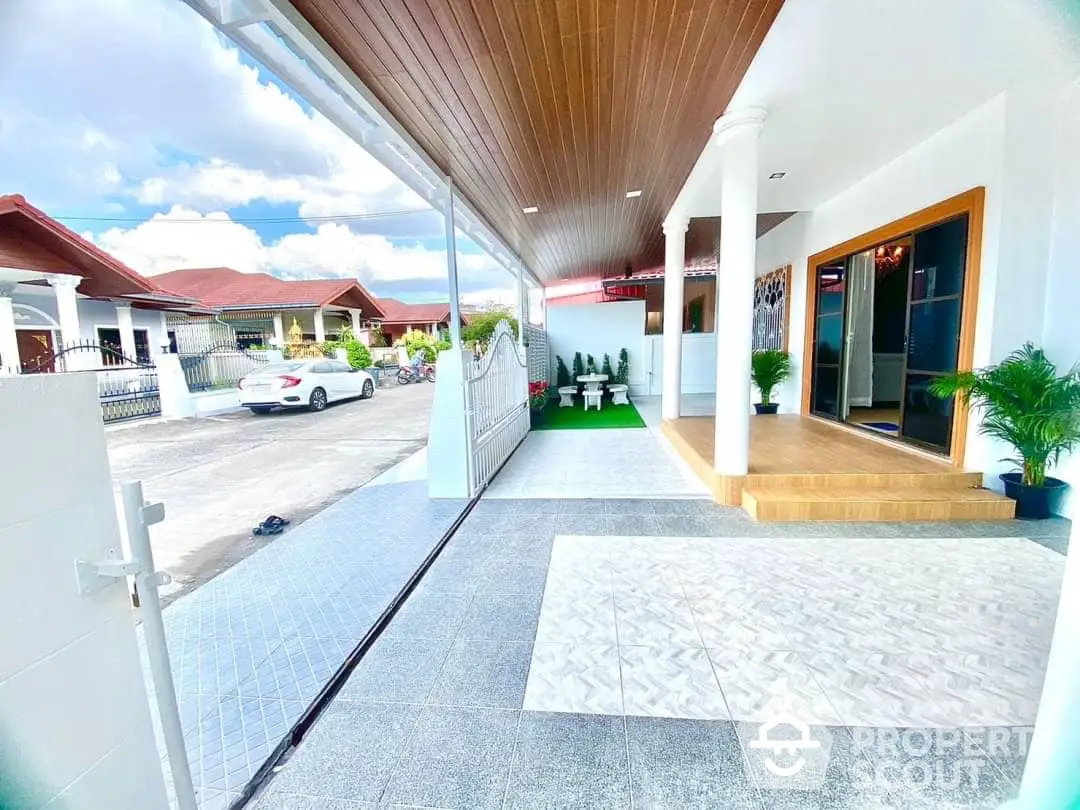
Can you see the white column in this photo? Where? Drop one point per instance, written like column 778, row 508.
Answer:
column 433, row 329
column 127, row 331
column 523, row 303
column 279, row 330
column 674, row 280
column 1051, row 778
column 163, row 344
column 320, row 326
column 9, row 343
column 451, row 267
column 737, row 136
column 67, row 307
column 354, row 317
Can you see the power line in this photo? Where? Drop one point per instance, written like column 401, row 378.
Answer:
column 254, row 220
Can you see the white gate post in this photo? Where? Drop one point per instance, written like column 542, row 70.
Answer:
column 449, row 441
column 451, row 266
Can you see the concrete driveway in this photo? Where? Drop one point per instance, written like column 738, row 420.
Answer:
column 219, row 476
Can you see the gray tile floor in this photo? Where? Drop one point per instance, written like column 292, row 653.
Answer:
column 436, row 714
column 253, row 647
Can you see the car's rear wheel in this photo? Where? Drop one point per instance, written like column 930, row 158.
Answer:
column 367, row 390
column 317, row 400
column 261, row 409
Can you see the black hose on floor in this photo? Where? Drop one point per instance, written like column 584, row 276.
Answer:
column 329, row 691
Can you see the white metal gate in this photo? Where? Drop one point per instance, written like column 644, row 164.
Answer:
column 497, row 405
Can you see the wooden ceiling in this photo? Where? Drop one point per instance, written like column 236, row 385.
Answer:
column 561, row 104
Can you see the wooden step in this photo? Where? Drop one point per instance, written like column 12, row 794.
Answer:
column 883, row 504
column 946, row 479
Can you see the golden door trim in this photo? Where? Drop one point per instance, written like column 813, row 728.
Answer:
column 969, row 202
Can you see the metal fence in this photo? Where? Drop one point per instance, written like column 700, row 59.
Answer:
column 220, row 366
column 127, row 389
column 497, row 405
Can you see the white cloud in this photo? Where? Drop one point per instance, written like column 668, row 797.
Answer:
column 169, row 242
column 141, row 103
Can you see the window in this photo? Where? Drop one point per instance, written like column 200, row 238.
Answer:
column 338, row 366
column 109, row 338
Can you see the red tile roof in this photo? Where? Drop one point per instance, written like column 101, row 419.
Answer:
column 225, row 288
column 398, row 312
column 103, row 275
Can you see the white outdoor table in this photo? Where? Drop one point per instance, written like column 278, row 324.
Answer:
column 592, row 381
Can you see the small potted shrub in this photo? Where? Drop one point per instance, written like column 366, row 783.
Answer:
column 562, row 373
column 538, row 398
column 1028, row 405
column 768, row 369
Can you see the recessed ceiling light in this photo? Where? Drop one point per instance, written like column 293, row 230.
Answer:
column 532, row 209
column 635, row 193
column 776, row 175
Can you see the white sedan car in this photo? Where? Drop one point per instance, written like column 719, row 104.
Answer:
column 310, row 384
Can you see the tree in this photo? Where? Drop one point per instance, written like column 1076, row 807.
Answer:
column 482, row 324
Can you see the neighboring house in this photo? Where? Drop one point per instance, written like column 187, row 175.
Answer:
column 58, row 290
column 401, row 317
column 262, row 309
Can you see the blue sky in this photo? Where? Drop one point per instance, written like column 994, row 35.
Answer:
column 167, row 141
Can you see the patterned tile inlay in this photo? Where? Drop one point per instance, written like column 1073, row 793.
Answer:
column 925, row 632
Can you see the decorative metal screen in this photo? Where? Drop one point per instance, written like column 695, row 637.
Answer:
column 771, row 293
column 536, row 352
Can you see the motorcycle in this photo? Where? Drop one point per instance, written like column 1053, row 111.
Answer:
column 409, row 374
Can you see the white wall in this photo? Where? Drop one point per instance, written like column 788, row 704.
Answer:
column 74, row 720
column 1015, row 146
column 1061, row 336
column 698, row 363
column 600, row 329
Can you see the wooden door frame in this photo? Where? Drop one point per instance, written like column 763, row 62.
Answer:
column 969, row 202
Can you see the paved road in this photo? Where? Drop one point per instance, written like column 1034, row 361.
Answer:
column 219, row 476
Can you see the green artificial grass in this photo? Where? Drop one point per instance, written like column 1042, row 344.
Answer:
column 577, row 418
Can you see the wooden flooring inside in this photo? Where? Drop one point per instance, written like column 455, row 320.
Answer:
column 806, row 469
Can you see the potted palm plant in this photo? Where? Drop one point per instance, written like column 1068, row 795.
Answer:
column 768, row 369
column 1026, row 404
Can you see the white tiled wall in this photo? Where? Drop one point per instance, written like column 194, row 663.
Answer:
column 74, row 720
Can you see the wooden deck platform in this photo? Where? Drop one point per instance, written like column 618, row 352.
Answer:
column 807, row 469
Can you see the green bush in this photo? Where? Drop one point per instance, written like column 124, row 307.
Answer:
column 579, row 367
column 590, row 364
column 768, row 369
column 606, row 367
column 359, row 356
column 416, row 340
column 622, row 371
column 482, row 324
column 562, row 373
column 378, row 339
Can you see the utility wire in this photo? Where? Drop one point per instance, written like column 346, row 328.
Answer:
column 253, row 220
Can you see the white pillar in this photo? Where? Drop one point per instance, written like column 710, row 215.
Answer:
column 9, row 342
column 674, row 280
column 127, row 331
column 433, row 329
column 1051, row 778
column 67, row 307
column 163, row 344
column 279, row 330
column 354, row 317
column 737, row 135
column 523, row 303
column 451, row 267
column 320, row 326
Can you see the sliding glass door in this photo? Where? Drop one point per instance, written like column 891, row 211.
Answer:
column 935, row 298
column 932, row 316
column 826, row 384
